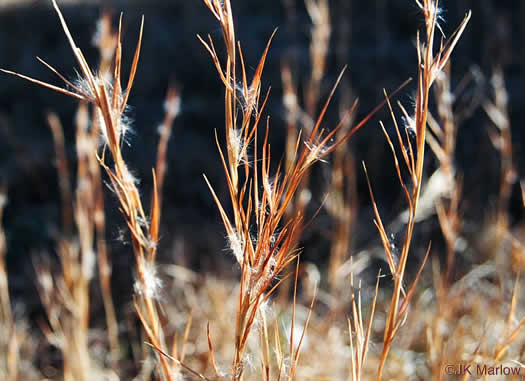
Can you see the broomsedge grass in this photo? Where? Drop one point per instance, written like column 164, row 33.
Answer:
column 359, row 350
column 264, row 217
column 319, row 12
column 340, row 202
column 106, row 41
column 260, row 240
column 8, row 344
column 109, row 103
column 301, row 121
column 65, row 295
column 429, row 67
column 501, row 138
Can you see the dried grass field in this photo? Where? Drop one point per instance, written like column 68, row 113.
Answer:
column 263, row 231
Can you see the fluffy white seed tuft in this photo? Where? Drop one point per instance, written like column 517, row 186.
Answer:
column 236, row 244
column 151, row 284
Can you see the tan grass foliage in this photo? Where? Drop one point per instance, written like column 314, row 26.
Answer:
column 208, row 328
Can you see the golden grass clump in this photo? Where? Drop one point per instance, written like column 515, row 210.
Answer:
column 209, row 327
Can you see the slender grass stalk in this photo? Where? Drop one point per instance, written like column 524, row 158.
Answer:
column 9, row 346
column 342, row 202
column 320, row 31
column 172, row 109
column 429, row 67
column 357, row 328
column 501, row 138
column 67, row 304
column 261, row 241
column 106, row 39
column 441, row 138
column 63, row 173
column 442, row 141
column 109, row 103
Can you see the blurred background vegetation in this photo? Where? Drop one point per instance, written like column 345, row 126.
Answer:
column 376, row 39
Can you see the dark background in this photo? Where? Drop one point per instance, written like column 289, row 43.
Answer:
column 381, row 54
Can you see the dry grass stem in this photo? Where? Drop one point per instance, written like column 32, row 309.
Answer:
column 330, row 322
column 430, row 65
